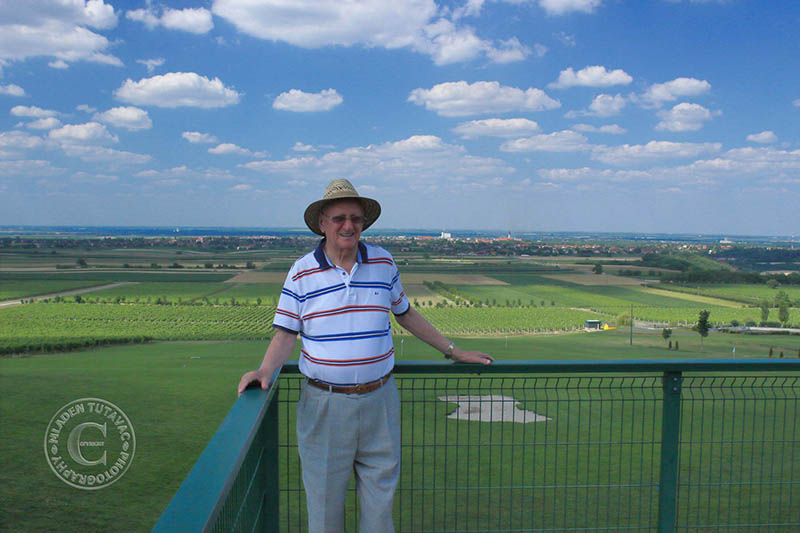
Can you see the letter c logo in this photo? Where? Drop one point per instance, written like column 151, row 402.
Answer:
column 74, row 439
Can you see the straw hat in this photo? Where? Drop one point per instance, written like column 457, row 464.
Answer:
column 341, row 190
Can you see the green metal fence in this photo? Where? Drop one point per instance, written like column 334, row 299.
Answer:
column 537, row 446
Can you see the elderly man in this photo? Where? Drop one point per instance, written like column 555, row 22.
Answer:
column 338, row 299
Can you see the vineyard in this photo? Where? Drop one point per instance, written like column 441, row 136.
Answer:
column 61, row 326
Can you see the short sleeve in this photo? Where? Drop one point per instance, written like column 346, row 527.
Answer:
column 287, row 314
column 400, row 303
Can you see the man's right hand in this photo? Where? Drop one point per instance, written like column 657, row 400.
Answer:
column 261, row 377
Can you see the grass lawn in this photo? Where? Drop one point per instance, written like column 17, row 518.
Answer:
column 176, row 394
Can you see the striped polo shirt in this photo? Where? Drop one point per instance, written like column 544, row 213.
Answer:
column 343, row 317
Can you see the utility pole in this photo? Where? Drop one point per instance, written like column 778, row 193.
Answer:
column 631, row 324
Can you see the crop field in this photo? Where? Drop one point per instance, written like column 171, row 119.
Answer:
column 57, row 326
column 28, row 288
column 149, row 291
column 750, row 294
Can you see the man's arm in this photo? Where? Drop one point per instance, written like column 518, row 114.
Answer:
column 414, row 322
column 278, row 351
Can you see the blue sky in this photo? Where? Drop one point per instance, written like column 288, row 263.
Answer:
column 522, row 115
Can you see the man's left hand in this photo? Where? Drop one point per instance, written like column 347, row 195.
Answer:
column 464, row 356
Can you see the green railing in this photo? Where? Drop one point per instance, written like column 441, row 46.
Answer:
column 674, row 445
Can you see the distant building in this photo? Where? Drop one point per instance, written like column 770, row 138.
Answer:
column 446, row 235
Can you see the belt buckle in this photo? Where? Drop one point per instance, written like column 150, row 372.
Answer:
column 359, row 388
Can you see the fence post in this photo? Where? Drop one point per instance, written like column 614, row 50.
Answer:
column 271, row 471
column 670, row 433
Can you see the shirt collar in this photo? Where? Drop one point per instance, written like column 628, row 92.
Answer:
column 322, row 259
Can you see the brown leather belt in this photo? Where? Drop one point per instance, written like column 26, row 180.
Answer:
column 359, row 388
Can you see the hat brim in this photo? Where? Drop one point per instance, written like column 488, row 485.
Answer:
column 372, row 210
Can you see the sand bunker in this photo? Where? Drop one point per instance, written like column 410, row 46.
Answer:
column 491, row 408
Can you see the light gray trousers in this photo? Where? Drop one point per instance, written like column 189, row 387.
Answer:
column 342, row 433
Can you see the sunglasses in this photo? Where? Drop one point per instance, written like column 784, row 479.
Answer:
column 356, row 220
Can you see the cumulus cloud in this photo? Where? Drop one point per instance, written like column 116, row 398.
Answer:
column 48, row 123
column 232, row 149
column 765, row 137
column 130, row 118
column 593, row 76
column 86, row 108
column 455, row 99
column 660, row 93
column 32, row 112
column 683, row 117
column 299, row 101
column 419, row 25
column 614, row 129
column 62, row 30
column 242, row 187
column 88, row 133
column 301, row 147
column 603, row 105
column 12, row 90
column 419, row 161
column 197, row 137
column 192, row 20
column 496, row 127
column 151, row 64
column 12, row 142
column 563, row 7
column 653, row 150
column 559, row 141
column 177, row 89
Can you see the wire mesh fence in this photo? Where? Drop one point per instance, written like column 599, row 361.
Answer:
column 578, row 453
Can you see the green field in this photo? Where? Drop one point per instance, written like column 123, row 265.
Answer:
column 177, row 393
column 29, row 288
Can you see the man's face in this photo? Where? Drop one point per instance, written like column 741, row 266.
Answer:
column 337, row 223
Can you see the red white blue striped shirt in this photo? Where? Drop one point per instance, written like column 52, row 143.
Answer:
column 343, row 317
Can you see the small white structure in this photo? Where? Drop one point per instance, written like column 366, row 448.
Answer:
column 446, row 235
column 491, row 408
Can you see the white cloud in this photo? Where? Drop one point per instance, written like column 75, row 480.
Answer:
column 101, row 154
column 300, row 147
column 86, row 108
column 29, row 167
column 559, row 141
column 496, row 127
column 660, row 93
column 765, row 137
column 562, row 7
column 197, row 137
column 192, row 20
column 419, row 25
column 511, row 50
column 88, row 133
column 12, row 141
column 48, row 123
column 58, row 64
column 417, row 161
column 242, row 187
column 796, row 103
column 177, row 89
column 455, row 99
column 130, row 118
column 613, row 129
column 32, row 111
column 566, row 39
column 232, row 149
column 603, row 105
column 151, row 64
column 653, row 150
column 85, row 177
column 593, row 76
column 12, row 90
column 58, row 29
column 683, row 117
column 299, row 101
